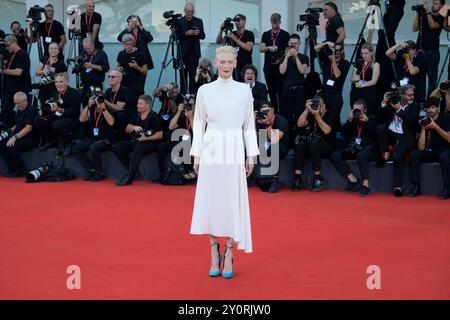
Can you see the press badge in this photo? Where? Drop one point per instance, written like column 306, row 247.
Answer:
column 185, row 137
column 330, row 83
column 88, row 70
column 358, row 141
column 96, row 132
column 404, row 82
column 361, row 82
column 48, row 40
column 267, row 145
column 237, row 49
column 166, row 117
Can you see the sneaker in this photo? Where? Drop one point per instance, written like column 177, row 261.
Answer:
column 353, row 186
column 398, row 193
column 445, row 194
column 317, row 184
column 124, row 181
column 364, row 191
column 297, row 183
column 415, row 191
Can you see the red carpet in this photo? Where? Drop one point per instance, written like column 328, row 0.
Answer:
column 134, row 243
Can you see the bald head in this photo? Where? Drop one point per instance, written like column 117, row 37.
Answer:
column 90, row 6
column 88, row 46
column 115, row 78
column 189, row 10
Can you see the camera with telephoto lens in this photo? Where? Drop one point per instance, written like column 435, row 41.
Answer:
column 139, row 134
column 419, row 8
column 228, row 24
column 394, row 97
column 97, row 94
column 39, row 173
column 187, row 105
column 444, row 86
column 358, row 64
column 4, row 135
column 315, row 104
column 174, row 19
column 356, row 113
column 404, row 51
column 34, row 14
column 311, row 17
column 326, row 50
column 78, row 63
column 50, row 105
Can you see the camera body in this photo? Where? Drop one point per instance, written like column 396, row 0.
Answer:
column 34, row 14
column 137, row 135
column 311, row 17
column 50, row 105
column 424, row 117
column 187, row 105
column 354, row 147
column 358, row 64
column 174, row 19
column 356, row 113
column 419, row 8
column 78, row 64
column 228, row 24
column 261, row 115
column 327, row 50
column 39, row 173
column 404, row 51
column 394, row 97
column 4, row 135
column 97, row 94
column 315, row 104
column 444, row 86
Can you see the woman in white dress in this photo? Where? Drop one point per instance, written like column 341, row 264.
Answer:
column 224, row 146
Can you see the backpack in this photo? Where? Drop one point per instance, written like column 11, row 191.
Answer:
column 173, row 175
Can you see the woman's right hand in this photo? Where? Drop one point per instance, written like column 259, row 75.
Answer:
column 196, row 164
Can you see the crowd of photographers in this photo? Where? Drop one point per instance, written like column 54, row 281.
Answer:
column 394, row 114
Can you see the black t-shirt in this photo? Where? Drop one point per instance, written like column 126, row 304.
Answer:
column 87, row 26
column 366, row 131
column 281, row 124
column 122, row 95
column 59, row 66
column 437, row 142
column 131, row 77
column 71, row 103
column 53, row 30
column 22, row 42
column 244, row 57
column 23, row 82
column 332, row 25
column 418, row 80
column 314, row 128
column 98, row 121
column 280, row 40
column 293, row 77
column 24, row 118
column 330, row 82
column 396, row 2
column 98, row 58
column 430, row 37
column 152, row 122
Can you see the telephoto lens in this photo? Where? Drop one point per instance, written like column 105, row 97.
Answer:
column 38, row 174
column 148, row 133
column 315, row 104
column 356, row 113
column 4, row 135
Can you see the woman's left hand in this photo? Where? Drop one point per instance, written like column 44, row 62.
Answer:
column 249, row 165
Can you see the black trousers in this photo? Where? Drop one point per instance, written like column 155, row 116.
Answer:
column 190, row 68
column 60, row 130
column 259, row 165
column 274, row 85
column 292, row 103
column 392, row 19
column 122, row 119
column 135, row 90
column 130, row 153
column 388, row 138
column 432, row 58
column 164, row 150
column 426, row 156
column 316, row 152
column 363, row 158
column 13, row 155
column 96, row 148
column 334, row 103
column 7, row 113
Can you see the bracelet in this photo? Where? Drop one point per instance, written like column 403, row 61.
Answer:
column 15, row 136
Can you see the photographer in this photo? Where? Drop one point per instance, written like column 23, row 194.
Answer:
column 277, row 129
column 146, row 130
column 21, row 35
column 134, row 70
column 190, row 32
column 204, row 74
column 317, row 140
column 411, row 67
column 259, row 89
column 52, row 31
column 434, row 146
column 273, row 44
column 242, row 40
column 334, row 28
column 47, row 69
column 443, row 94
column 94, row 68
column 429, row 24
column 399, row 116
column 293, row 67
column 392, row 17
column 90, row 24
column 335, row 69
column 141, row 39
column 100, row 137
column 59, row 120
column 170, row 97
column 116, row 100
column 360, row 133
column 16, row 71
column 19, row 138
column 365, row 78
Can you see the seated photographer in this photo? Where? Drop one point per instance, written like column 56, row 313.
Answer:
column 399, row 116
column 134, row 69
column 100, row 137
column 60, row 116
column 277, row 129
column 21, row 35
column 116, row 100
column 241, row 39
column 364, row 80
column 20, row 138
column 316, row 138
column 411, row 67
column 146, row 131
column 93, row 69
column 334, row 29
column 204, row 74
column 443, row 94
column 170, row 97
column 47, row 69
column 335, row 69
column 259, row 89
column 360, row 133
column 434, row 146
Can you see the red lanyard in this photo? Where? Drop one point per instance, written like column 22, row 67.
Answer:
column 97, row 117
column 273, row 121
column 240, row 35
column 360, row 128
column 135, row 38
column 60, row 96
column 12, row 59
column 88, row 24
column 188, row 124
column 169, row 106
column 49, row 29
column 315, row 126
column 92, row 57
column 274, row 38
column 51, row 64
column 115, row 95
column 364, row 70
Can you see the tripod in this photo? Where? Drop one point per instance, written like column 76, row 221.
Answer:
column 37, row 36
column 74, row 52
column 443, row 66
column 312, row 82
column 2, row 84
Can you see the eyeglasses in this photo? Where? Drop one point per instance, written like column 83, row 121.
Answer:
column 112, row 77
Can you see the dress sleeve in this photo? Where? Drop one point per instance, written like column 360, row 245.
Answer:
column 199, row 125
column 251, row 143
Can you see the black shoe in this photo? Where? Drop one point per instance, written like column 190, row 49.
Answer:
column 317, row 184
column 297, row 183
column 99, row 176
column 445, row 194
column 125, row 180
column 90, row 174
column 67, row 150
column 353, row 186
column 364, row 191
column 14, row 174
column 398, row 193
column 415, row 191
column 274, row 186
column 48, row 145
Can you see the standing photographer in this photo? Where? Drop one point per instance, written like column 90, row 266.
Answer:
column 259, row 89
column 242, row 40
column 21, row 35
column 429, row 23
column 273, row 44
column 443, row 94
column 334, row 28
column 204, row 74
column 392, row 17
column 434, row 146
column 51, row 31
column 90, row 24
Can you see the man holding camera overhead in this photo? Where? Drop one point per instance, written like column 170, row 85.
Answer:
column 429, row 23
column 242, row 40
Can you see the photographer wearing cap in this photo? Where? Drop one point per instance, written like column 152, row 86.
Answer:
column 433, row 146
column 20, row 138
column 360, row 133
column 259, row 89
column 242, row 40
column 90, row 24
column 335, row 31
column 273, row 44
column 146, row 131
column 100, row 137
column 21, row 35
column 399, row 115
column 52, row 31
column 411, row 67
column 335, row 69
column 60, row 116
column 277, row 129
column 429, row 23
column 443, row 94
column 316, row 138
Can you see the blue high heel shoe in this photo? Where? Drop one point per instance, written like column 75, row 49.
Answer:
column 216, row 273
column 230, row 274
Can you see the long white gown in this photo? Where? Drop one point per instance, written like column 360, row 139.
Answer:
column 223, row 124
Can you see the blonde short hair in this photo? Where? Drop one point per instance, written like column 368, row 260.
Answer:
column 226, row 49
